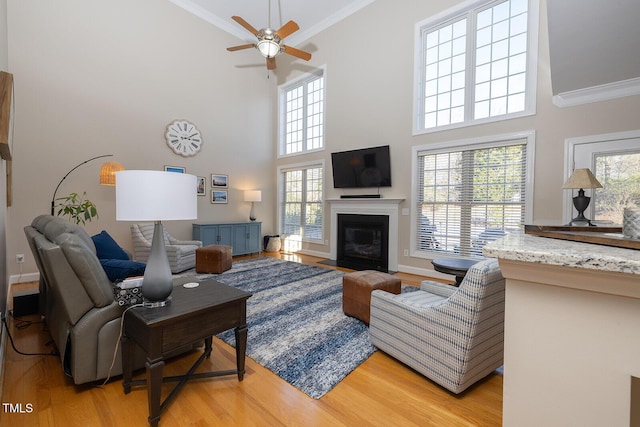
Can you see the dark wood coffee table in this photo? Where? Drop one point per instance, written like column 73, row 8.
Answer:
column 455, row 266
column 194, row 314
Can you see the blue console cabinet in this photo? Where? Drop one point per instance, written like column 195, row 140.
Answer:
column 243, row 237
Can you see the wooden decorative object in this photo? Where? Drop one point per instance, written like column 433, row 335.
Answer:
column 6, row 114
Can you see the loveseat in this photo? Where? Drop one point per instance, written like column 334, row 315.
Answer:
column 78, row 300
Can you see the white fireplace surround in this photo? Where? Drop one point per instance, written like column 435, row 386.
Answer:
column 388, row 207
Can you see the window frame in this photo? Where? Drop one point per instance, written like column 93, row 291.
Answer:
column 469, row 9
column 302, row 80
column 590, row 146
column 461, row 145
column 281, row 193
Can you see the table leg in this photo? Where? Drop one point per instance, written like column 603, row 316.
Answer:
column 241, row 349
column 127, row 363
column 154, row 389
column 207, row 347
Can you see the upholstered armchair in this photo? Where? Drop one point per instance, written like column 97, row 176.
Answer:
column 181, row 253
column 453, row 336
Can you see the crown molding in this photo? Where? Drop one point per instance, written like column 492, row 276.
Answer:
column 294, row 39
column 598, row 93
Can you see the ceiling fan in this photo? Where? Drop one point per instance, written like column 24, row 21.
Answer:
column 270, row 42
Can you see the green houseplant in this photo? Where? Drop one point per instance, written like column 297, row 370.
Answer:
column 77, row 207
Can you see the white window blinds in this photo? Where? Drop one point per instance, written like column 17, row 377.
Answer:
column 469, row 196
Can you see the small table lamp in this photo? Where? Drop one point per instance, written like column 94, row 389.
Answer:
column 581, row 179
column 143, row 195
column 252, row 196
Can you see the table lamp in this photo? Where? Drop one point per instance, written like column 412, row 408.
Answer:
column 581, row 179
column 252, row 196
column 144, row 195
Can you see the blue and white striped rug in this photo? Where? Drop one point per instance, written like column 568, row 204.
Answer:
column 296, row 325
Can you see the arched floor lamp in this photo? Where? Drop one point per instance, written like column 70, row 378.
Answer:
column 107, row 175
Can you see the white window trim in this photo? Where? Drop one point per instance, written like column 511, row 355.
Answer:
column 280, row 183
column 570, row 146
column 472, row 143
column 532, row 67
column 311, row 75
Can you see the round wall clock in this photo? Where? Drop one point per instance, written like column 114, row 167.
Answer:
column 183, row 138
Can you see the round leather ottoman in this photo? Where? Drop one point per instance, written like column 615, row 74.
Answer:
column 213, row 259
column 357, row 288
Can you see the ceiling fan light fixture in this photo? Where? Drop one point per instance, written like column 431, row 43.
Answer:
column 268, row 48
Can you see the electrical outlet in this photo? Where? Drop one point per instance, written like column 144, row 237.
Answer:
column 406, row 252
column 19, row 258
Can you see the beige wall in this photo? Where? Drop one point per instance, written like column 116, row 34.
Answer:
column 106, row 77
column 4, row 276
column 369, row 102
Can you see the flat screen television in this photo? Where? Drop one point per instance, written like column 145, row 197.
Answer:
column 366, row 167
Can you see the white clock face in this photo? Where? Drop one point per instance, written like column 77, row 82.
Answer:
column 183, row 138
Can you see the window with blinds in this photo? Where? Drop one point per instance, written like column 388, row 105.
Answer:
column 301, row 202
column 469, row 196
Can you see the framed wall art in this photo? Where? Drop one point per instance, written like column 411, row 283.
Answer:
column 218, row 196
column 178, row 169
column 219, row 181
column 201, row 188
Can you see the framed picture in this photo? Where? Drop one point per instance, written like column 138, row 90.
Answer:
column 201, row 188
column 219, row 181
column 178, row 169
column 218, row 196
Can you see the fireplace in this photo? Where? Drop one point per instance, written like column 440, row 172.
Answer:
column 363, row 242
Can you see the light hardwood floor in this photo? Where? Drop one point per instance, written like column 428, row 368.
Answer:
column 380, row 392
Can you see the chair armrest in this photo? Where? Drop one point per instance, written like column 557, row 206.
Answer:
column 173, row 241
column 437, row 288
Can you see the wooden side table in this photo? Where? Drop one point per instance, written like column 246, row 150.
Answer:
column 455, row 266
column 194, row 314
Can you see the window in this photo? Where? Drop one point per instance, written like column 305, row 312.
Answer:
column 470, row 194
column 302, row 115
column 301, row 201
column 475, row 65
column 615, row 160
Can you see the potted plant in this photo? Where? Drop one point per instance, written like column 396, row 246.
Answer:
column 77, row 207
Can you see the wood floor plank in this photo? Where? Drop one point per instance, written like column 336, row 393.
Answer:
column 380, row 392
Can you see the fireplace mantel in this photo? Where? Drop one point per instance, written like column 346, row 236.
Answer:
column 367, row 206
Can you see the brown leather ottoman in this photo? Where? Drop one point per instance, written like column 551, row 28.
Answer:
column 357, row 288
column 213, row 259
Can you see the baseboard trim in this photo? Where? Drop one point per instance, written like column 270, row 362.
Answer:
column 21, row 278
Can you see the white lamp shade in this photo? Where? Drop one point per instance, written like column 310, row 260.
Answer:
column 144, row 195
column 253, row 196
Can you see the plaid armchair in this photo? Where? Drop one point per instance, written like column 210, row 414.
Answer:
column 453, row 336
column 181, row 253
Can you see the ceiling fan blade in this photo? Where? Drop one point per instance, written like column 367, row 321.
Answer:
column 245, row 24
column 297, row 52
column 287, row 29
column 271, row 63
column 243, row 46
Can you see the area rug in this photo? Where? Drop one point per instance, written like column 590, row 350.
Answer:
column 296, row 325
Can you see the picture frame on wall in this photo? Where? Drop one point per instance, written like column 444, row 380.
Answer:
column 201, row 188
column 219, row 196
column 219, row 181
column 177, row 169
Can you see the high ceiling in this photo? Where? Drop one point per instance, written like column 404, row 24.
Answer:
column 313, row 16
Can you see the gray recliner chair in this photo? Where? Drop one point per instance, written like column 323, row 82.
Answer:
column 453, row 336
column 79, row 306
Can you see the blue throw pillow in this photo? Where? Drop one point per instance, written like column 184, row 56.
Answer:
column 119, row 269
column 107, row 248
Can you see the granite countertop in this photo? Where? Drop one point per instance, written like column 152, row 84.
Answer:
column 545, row 250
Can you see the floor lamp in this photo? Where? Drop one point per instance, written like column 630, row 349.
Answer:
column 107, row 175
column 143, row 195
